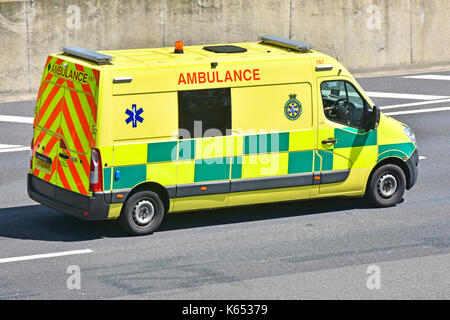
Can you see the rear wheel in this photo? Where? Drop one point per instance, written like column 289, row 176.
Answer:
column 387, row 186
column 142, row 213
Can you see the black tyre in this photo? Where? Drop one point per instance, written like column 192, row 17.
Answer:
column 142, row 213
column 387, row 186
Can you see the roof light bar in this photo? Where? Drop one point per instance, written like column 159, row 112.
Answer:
column 286, row 43
column 90, row 55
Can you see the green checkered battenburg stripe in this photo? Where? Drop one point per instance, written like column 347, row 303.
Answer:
column 303, row 161
column 266, row 143
column 400, row 150
column 347, row 139
column 129, row 176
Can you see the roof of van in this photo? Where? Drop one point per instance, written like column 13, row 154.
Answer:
column 164, row 57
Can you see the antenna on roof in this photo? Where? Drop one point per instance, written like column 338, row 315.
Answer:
column 90, row 55
column 285, row 43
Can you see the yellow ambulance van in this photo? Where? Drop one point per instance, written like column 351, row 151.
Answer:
column 134, row 134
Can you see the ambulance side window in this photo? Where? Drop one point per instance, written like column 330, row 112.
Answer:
column 204, row 113
column 342, row 103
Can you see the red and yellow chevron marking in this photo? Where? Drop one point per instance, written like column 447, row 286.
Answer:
column 62, row 175
column 67, row 111
column 49, row 141
column 75, row 140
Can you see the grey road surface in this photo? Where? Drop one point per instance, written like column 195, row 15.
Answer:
column 318, row 249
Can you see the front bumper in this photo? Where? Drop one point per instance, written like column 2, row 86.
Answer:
column 412, row 164
column 68, row 202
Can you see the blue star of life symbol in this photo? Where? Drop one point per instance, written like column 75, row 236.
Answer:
column 134, row 116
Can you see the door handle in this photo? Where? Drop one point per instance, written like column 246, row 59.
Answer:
column 63, row 155
column 329, row 141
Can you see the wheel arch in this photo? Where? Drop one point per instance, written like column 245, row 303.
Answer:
column 155, row 187
column 391, row 160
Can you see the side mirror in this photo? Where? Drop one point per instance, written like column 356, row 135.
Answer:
column 375, row 117
column 372, row 118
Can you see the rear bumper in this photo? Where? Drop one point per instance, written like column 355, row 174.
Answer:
column 66, row 201
column 412, row 163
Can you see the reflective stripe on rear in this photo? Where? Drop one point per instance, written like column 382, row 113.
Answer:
column 65, row 115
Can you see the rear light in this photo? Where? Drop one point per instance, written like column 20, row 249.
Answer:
column 96, row 177
column 31, row 153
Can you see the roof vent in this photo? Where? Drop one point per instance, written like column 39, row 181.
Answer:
column 225, row 49
column 285, row 43
column 90, row 55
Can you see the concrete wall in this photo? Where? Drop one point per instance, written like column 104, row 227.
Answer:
column 363, row 34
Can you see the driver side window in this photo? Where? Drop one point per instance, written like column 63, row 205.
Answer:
column 342, row 103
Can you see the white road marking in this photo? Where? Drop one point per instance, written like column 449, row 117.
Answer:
column 429, row 77
column 417, row 111
column 16, row 119
column 404, row 105
column 3, row 150
column 46, row 255
column 3, row 146
column 422, row 158
column 12, row 148
column 408, row 96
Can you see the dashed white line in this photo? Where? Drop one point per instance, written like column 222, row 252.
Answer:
column 16, row 119
column 429, row 77
column 46, row 255
column 408, row 96
column 413, row 104
column 3, row 146
column 12, row 148
column 417, row 111
column 422, row 158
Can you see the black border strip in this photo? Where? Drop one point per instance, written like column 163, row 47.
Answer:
column 195, row 189
column 242, row 185
column 334, row 176
column 297, row 180
column 263, row 183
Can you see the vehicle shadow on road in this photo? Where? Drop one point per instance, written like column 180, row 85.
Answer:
column 259, row 212
column 37, row 222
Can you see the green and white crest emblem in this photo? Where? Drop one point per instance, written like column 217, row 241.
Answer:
column 293, row 108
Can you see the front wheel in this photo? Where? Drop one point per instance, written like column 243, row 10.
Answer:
column 142, row 213
column 387, row 186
